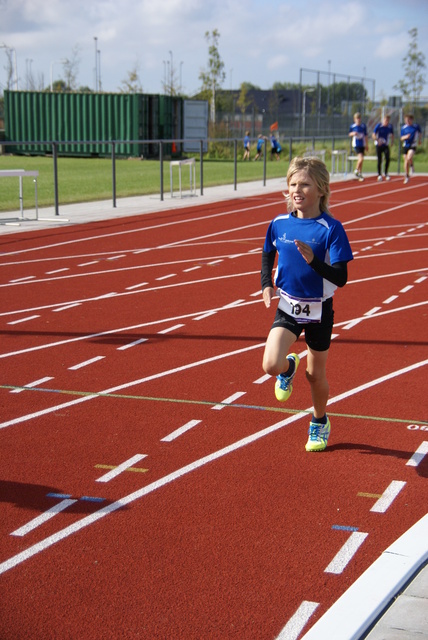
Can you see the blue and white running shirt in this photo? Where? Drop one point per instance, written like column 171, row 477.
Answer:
column 327, row 239
column 358, row 141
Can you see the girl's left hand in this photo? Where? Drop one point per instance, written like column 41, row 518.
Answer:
column 305, row 250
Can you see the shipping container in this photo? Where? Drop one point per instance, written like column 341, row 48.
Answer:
column 74, row 120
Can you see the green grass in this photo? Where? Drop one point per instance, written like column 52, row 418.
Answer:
column 89, row 179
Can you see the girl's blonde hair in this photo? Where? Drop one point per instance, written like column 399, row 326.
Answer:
column 319, row 174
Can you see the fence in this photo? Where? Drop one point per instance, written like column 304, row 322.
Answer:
column 204, row 146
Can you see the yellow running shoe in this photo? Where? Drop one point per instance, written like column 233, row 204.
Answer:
column 318, row 436
column 283, row 386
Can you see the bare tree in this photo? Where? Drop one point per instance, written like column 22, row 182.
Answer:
column 71, row 68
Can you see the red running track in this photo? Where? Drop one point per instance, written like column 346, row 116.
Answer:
column 151, row 486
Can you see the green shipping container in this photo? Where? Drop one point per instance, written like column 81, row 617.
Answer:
column 65, row 118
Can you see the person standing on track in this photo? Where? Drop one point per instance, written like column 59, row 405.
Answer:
column 360, row 144
column 383, row 136
column 313, row 252
column 410, row 132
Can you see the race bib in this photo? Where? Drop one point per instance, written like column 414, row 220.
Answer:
column 303, row 310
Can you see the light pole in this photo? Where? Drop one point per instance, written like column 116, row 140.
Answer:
column 96, row 64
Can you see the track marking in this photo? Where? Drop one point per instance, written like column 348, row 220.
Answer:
column 121, row 468
column 169, row 329
column 369, row 495
column 42, row 518
column 86, row 363
column 388, row 497
column 131, row 344
column 346, row 553
column 29, row 385
column 297, row 622
column 178, row 432
column 68, row 306
column 113, row 466
column 23, row 320
column 419, row 455
column 229, row 400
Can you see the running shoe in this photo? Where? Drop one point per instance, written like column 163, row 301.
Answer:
column 357, row 173
column 283, row 386
column 406, row 180
column 387, row 177
column 318, row 436
column 379, row 178
column 360, row 177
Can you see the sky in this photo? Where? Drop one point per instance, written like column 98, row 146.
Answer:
column 260, row 42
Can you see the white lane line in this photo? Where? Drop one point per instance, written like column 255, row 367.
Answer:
column 229, row 400
column 178, row 432
column 419, row 280
column 176, row 326
column 169, row 275
column 390, row 299
column 205, row 315
column 388, row 496
column 132, row 344
column 346, row 553
column 23, row 279
column 42, row 518
column 419, row 455
column 69, row 306
column 29, row 385
column 86, row 363
column 294, row 626
column 121, row 468
column 406, row 289
column 136, row 286
column 23, row 320
column 51, row 273
column 88, row 264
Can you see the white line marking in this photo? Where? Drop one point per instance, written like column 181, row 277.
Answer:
column 191, row 269
column 23, row 320
column 51, row 273
column 42, row 518
column 23, row 279
column 88, row 264
column 346, row 553
column 372, row 311
column 294, row 626
column 390, row 299
column 132, row 344
column 419, row 280
column 116, row 257
column 388, row 496
column 136, row 286
column 205, row 315
column 229, row 400
column 121, row 468
column 86, row 363
column 406, row 289
column 170, row 275
column 178, row 432
column 419, row 455
column 69, row 306
column 32, row 384
column 176, row 326
column 263, row 379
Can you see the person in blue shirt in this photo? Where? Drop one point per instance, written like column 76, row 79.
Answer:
column 411, row 136
column 275, row 147
column 247, row 145
column 383, row 136
column 260, row 144
column 313, row 252
column 360, row 144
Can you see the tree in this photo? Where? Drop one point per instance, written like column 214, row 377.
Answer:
column 71, row 68
column 414, row 69
column 214, row 76
column 132, row 83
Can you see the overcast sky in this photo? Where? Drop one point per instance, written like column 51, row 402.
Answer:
column 261, row 41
